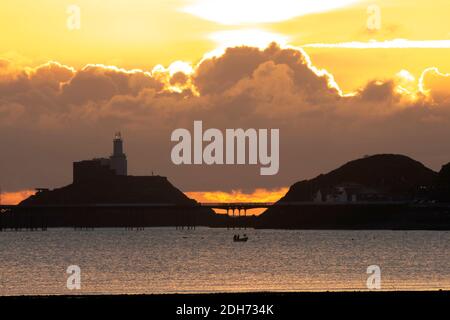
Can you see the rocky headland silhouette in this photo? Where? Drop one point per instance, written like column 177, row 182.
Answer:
column 385, row 191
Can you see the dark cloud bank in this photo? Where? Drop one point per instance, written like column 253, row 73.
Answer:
column 52, row 115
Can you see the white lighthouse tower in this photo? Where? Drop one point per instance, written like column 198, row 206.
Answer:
column 118, row 158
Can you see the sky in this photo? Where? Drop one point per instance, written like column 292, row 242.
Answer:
column 346, row 78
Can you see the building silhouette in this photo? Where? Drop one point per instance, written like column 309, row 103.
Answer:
column 102, row 168
column 102, row 194
column 118, row 160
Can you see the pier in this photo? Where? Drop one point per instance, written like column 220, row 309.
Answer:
column 393, row 215
column 129, row 216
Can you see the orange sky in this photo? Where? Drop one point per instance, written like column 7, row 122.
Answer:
column 142, row 34
column 353, row 40
column 15, row 197
column 258, row 195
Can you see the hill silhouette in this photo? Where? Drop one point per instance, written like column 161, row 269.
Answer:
column 396, row 176
column 117, row 190
column 442, row 186
column 385, row 191
column 112, row 190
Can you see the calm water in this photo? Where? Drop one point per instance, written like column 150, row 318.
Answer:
column 162, row 260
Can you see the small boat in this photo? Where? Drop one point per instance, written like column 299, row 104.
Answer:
column 237, row 238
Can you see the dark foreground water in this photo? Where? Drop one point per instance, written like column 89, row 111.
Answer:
column 165, row 260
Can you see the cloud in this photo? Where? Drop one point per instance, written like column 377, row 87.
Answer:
column 378, row 91
column 99, row 82
column 53, row 114
column 436, row 84
column 218, row 74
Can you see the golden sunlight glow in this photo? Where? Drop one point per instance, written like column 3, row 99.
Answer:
column 406, row 76
column 387, row 44
column 165, row 75
column 433, row 71
column 322, row 72
column 12, row 198
column 142, row 34
column 238, row 12
column 174, row 67
column 406, row 83
column 258, row 195
column 114, row 68
column 180, row 66
column 249, row 37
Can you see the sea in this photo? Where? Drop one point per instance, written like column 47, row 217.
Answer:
column 207, row 260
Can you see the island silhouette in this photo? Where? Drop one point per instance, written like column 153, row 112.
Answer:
column 102, row 194
column 385, row 191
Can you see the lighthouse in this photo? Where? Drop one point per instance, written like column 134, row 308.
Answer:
column 118, row 158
